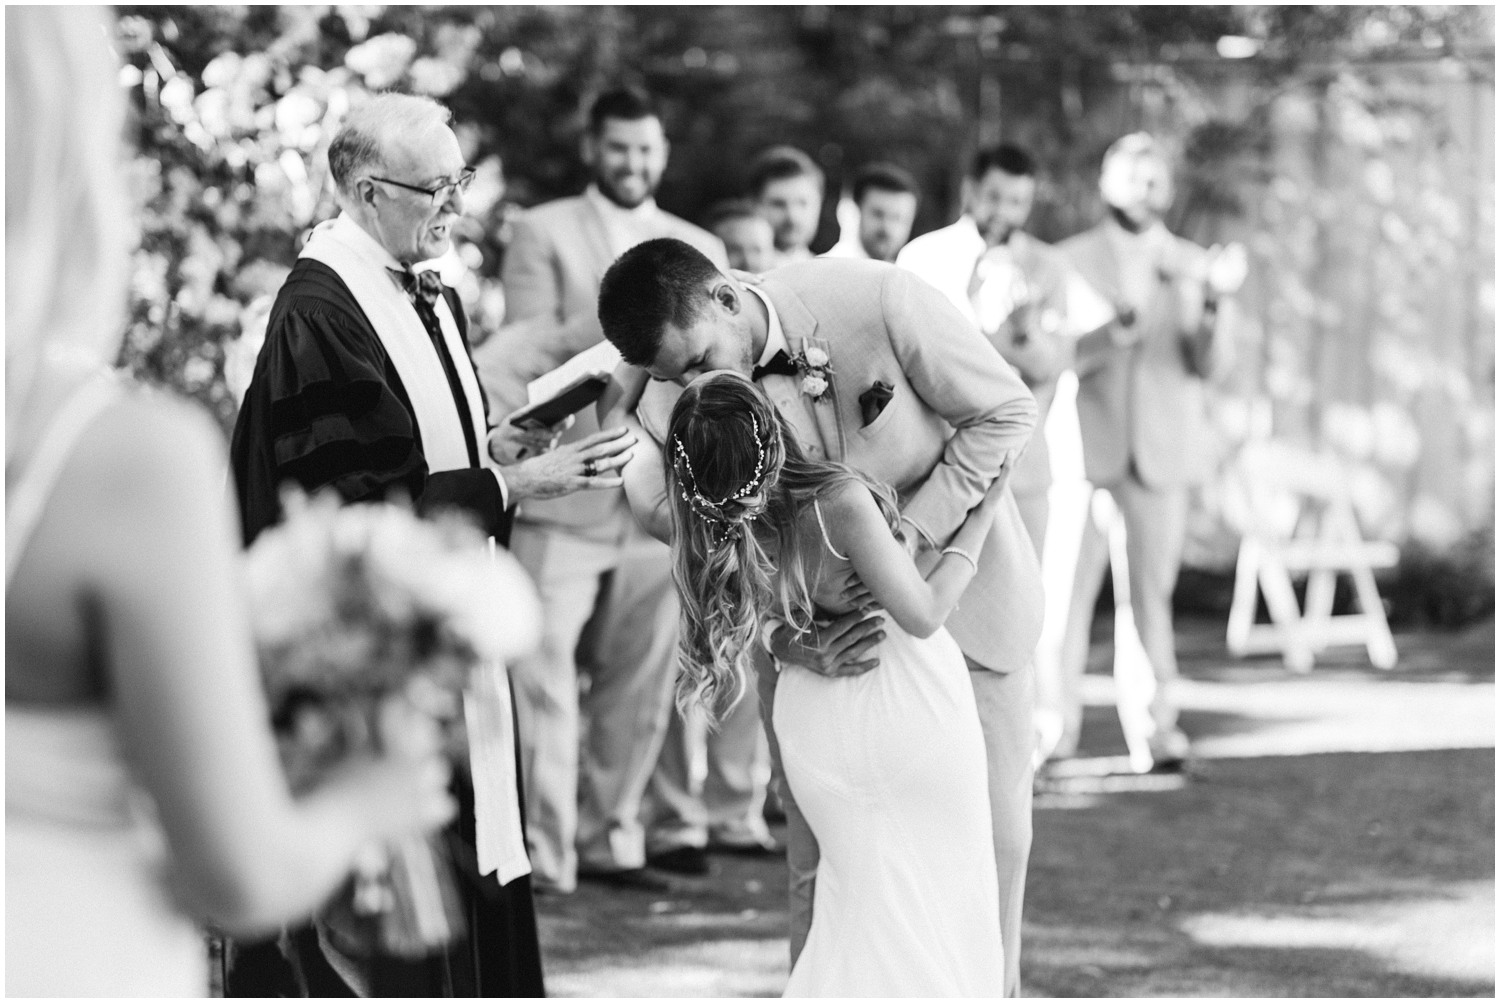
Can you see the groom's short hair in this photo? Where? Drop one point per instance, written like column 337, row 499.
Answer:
column 649, row 286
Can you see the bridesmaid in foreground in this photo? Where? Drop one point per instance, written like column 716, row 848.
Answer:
column 143, row 794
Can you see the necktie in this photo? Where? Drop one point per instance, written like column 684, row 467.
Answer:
column 427, row 285
column 424, row 289
column 779, row 364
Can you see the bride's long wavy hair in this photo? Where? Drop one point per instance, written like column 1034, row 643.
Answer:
column 739, row 483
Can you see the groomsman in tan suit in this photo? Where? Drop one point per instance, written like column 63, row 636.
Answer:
column 787, row 187
column 917, row 398
column 605, row 585
column 1014, row 287
column 726, row 812
column 886, row 197
column 1141, row 412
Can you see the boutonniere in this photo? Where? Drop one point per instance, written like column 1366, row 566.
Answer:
column 812, row 365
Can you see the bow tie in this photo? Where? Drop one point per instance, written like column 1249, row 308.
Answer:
column 428, row 285
column 779, row 364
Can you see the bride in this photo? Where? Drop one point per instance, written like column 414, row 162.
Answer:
column 889, row 766
column 142, row 786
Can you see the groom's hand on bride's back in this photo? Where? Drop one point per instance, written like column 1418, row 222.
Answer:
column 845, row 646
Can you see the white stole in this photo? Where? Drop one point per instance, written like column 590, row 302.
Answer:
column 488, row 717
column 361, row 263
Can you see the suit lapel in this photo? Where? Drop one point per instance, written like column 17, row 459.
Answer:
column 826, row 411
column 596, row 238
column 1102, row 269
column 800, row 328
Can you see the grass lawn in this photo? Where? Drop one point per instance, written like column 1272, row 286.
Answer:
column 1337, row 839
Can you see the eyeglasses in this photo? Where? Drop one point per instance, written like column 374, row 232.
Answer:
column 443, row 192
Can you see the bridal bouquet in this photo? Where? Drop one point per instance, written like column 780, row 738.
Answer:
column 368, row 622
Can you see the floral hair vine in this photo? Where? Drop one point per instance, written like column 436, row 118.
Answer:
column 713, row 511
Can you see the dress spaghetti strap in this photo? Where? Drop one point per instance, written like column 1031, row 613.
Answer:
column 823, row 526
column 26, row 499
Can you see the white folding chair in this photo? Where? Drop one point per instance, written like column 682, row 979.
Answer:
column 1297, row 519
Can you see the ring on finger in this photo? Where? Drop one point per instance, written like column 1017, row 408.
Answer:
column 590, row 468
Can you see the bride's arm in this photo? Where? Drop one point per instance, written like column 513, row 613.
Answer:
column 919, row 604
column 158, row 551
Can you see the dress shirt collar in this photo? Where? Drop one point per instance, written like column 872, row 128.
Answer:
column 364, row 244
column 610, row 209
column 1153, row 236
column 969, row 230
column 775, row 336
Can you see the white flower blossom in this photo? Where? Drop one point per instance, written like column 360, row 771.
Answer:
column 349, row 595
column 816, row 357
column 381, row 60
column 814, row 385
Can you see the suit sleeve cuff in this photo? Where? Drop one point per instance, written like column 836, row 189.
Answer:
column 504, row 491
column 926, row 536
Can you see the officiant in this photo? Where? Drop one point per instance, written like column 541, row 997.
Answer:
column 365, row 386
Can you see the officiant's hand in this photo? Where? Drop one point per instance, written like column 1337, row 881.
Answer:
column 837, row 648
column 590, row 464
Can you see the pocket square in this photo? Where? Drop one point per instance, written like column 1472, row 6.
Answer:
column 874, row 400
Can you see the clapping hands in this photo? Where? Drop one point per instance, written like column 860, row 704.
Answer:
column 1228, row 266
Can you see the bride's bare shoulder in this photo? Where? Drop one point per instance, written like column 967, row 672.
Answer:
column 850, row 498
column 850, row 512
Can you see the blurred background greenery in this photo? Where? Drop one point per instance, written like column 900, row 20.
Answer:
column 1350, row 147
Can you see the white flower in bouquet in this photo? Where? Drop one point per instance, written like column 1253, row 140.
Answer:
column 290, row 579
column 816, row 357
column 360, row 596
column 369, row 621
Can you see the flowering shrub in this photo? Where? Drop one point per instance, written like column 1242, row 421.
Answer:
column 1357, row 181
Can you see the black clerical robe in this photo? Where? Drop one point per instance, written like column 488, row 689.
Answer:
column 327, row 409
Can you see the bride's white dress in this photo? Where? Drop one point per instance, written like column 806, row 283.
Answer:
column 86, row 907
column 889, row 769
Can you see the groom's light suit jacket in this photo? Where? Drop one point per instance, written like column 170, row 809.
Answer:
column 957, row 413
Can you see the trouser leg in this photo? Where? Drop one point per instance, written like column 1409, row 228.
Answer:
column 1073, row 655
column 1155, row 526
column 801, row 845
column 1067, row 511
column 673, row 808
column 1006, row 704
column 1033, row 509
column 734, row 788
column 630, row 649
column 566, row 572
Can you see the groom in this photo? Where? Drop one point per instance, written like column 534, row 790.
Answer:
column 914, row 396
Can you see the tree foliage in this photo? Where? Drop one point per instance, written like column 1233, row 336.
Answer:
column 1343, row 149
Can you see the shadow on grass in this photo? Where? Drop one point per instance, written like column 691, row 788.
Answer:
column 721, row 935
column 1309, row 875
column 1251, row 972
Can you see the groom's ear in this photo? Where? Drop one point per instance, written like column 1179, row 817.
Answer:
column 724, row 293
